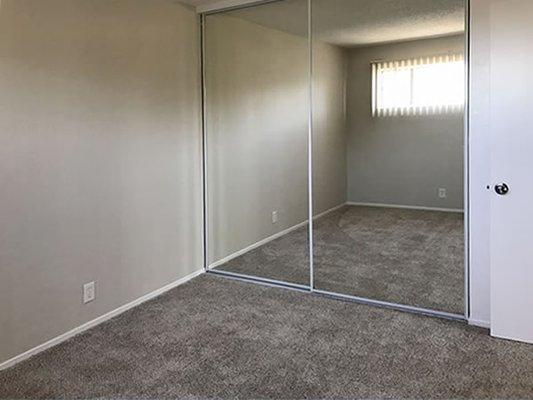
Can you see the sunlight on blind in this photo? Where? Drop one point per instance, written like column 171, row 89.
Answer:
column 430, row 85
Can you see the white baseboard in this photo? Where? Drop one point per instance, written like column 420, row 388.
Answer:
column 270, row 238
column 73, row 332
column 479, row 323
column 329, row 211
column 256, row 245
column 222, row 4
column 455, row 210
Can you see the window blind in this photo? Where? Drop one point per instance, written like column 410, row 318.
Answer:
column 418, row 86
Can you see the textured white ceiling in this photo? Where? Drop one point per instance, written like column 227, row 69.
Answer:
column 364, row 22
column 351, row 23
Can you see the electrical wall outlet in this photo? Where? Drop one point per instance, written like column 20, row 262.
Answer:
column 274, row 217
column 442, row 193
column 89, row 292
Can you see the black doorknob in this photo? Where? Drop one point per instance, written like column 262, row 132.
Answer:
column 502, row 189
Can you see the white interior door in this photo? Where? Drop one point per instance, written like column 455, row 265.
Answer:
column 512, row 163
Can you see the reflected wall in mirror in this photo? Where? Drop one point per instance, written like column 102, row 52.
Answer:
column 256, row 66
column 388, row 131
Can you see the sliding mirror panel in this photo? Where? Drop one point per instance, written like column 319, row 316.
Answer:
column 388, row 150
column 257, row 98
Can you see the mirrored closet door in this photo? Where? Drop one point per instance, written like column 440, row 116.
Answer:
column 257, row 100
column 388, row 149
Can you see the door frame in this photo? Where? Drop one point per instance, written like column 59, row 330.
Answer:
column 311, row 287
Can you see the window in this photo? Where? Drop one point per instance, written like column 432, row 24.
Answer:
column 430, row 85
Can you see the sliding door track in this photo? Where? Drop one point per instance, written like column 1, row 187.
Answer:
column 392, row 306
column 264, row 281
column 338, row 296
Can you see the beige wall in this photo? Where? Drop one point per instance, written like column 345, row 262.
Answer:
column 257, row 121
column 329, row 126
column 99, row 159
column 257, row 126
column 402, row 160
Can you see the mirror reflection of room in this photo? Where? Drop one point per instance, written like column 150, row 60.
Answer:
column 388, row 130
column 388, row 96
column 257, row 130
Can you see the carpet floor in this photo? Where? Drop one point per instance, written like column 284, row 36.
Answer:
column 214, row 338
column 410, row 257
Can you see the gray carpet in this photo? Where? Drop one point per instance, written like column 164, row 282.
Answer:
column 216, row 338
column 402, row 256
